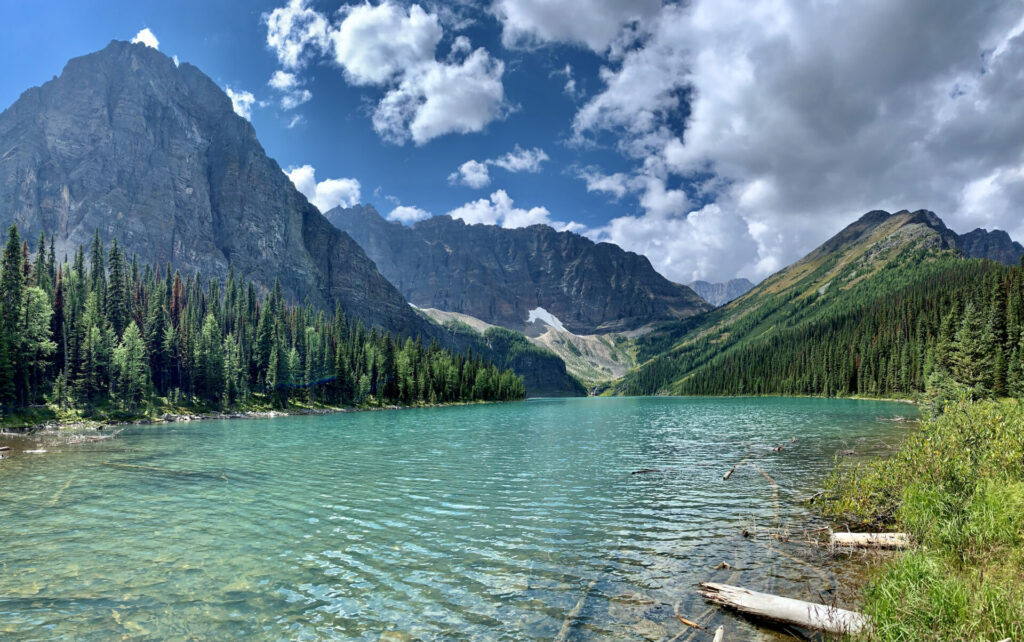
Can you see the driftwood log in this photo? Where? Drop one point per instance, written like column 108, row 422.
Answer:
column 870, row 540
column 720, row 634
column 785, row 610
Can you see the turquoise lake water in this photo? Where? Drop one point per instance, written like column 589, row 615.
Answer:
column 508, row 521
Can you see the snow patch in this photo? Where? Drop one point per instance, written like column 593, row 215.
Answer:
column 540, row 314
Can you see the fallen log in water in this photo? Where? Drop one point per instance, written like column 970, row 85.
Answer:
column 720, row 634
column 870, row 540
column 785, row 610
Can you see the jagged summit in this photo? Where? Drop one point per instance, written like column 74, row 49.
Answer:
column 995, row 245
column 151, row 153
column 499, row 275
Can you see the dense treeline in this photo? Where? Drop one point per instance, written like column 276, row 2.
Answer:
column 930, row 320
column 100, row 328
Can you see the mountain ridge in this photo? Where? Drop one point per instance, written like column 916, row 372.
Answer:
column 499, row 275
column 870, row 268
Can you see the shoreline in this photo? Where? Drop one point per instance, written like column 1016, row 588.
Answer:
column 86, row 430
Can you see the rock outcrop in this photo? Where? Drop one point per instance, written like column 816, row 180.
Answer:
column 995, row 245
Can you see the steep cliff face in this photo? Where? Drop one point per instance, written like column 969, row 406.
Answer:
column 151, row 154
column 995, row 245
column 499, row 275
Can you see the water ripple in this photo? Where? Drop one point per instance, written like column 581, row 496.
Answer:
column 491, row 522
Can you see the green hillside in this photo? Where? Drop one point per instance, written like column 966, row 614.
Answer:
column 877, row 310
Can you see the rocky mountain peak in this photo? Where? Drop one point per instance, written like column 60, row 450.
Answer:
column 151, row 153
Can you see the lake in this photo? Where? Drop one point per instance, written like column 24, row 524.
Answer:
column 512, row 521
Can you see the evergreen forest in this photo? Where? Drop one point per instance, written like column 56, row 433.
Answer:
column 929, row 320
column 102, row 330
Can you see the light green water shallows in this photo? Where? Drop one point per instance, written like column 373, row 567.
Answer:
column 512, row 521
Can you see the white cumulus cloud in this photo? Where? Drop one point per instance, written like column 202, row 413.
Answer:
column 472, row 174
column 326, row 194
column 391, row 46
column 296, row 33
column 283, row 81
column 375, row 44
column 793, row 119
column 288, row 84
column 434, row 99
column 146, row 37
column 241, row 101
column 407, row 214
column 475, row 174
column 500, row 209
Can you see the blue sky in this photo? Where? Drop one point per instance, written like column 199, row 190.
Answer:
column 720, row 138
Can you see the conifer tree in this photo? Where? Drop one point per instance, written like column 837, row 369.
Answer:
column 131, row 367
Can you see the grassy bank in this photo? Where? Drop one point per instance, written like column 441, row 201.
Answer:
column 957, row 486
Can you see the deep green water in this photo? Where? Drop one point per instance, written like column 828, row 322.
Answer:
column 476, row 522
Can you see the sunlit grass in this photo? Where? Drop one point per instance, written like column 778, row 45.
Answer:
column 957, row 486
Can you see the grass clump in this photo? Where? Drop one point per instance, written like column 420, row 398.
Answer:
column 957, row 486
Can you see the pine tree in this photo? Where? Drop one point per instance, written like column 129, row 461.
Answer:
column 117, row 293
column 36, row 346
column 132, row 367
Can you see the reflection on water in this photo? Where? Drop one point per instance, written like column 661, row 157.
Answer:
column 515, row 521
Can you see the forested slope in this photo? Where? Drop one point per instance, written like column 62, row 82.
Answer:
column 103, row 330
column 881, row 309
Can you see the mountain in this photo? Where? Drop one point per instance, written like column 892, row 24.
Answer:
column 151, row 154
column 503, row 276
column 718, row 294
column 861, row 314
column 995, row 245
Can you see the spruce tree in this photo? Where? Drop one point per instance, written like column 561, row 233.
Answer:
column 131, row 367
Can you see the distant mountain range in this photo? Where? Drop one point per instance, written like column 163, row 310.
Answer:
column 502, row 276
column 721, row 293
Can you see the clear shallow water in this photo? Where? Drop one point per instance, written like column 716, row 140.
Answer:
column 512, row 521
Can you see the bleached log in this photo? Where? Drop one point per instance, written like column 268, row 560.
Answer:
column 785, row 610
column 720, row 634
column 871, row 540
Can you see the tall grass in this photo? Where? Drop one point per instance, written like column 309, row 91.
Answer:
column 957, row 486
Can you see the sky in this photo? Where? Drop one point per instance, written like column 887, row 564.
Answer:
column 720, row 138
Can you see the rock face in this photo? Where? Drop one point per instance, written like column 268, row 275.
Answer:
column 718, row 294
column 995, row 245
column 151, row 154
column 979, row 244
column 499, row 275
